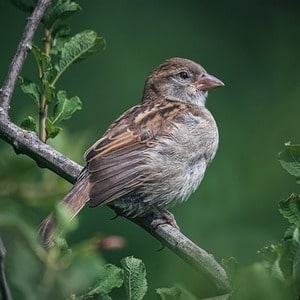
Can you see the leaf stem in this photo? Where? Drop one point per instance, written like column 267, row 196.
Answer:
column 43, row 113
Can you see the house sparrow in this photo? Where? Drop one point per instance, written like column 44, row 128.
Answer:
column 156, row 153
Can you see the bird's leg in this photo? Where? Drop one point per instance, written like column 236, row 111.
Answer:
column 166, row 218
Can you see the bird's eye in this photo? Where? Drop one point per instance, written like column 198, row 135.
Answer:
column 183, row 75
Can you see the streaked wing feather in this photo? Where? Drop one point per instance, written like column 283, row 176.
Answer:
column 115, row 163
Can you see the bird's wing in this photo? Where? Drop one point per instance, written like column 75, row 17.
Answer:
column 115, row 163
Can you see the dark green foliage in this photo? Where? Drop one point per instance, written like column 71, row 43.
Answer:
column 290, row 159
column 111, row 277
column 134, row 278
column 63, row 110
column 60, row 11
column 290, row 209
column 76, row 49
column 61, row 50
column 29, row 124
column 31, row 89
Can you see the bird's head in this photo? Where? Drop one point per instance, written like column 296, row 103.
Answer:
column 182, row 80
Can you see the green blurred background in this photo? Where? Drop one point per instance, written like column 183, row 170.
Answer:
column 252, row 46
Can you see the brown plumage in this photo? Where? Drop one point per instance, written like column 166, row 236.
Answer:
column 156, row 153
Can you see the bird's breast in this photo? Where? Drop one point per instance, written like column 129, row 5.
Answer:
column 176, row 165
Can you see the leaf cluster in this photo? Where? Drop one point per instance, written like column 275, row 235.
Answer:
column 60, row 50
column 284, row 257
column 277, row 276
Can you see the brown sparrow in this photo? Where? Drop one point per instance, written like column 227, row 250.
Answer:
column 154, row 155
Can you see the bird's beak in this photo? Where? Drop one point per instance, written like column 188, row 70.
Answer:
column 208, row 82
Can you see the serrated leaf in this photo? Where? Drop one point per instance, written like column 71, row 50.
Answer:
column 64, row 107
column 61, row 34
column 44, row 64
column 290, row 159
column 60, row 11
column 29, row 124
column 79, row 47
column 134, row 278
column 290, row 209
column 110, row 276
column 51, row 130
column 31, row 89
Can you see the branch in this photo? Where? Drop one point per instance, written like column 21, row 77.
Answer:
column 27, row 143
column 192, row 254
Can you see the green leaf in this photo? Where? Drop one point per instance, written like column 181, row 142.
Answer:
column 64, row 107
column 31, row 89
column 290, row 209
column 110, row 277
column 290, row 159
column 175, row 293
column 44, row 64
column 51, row 130
column 281, row 256
column 61, row 34
column 273, row 255
column 79, row 47
column 60, row 11
column 29, row 124
column 134, row 278
column 48, row 91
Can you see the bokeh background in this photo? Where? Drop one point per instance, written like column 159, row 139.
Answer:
column 252, row 46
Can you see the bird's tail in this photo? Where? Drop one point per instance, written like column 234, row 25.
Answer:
column 74, row 201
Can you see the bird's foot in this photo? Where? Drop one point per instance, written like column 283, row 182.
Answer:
column 166, row 218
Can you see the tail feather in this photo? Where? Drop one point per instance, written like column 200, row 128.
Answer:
column 74, row 201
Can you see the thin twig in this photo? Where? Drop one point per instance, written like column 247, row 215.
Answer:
column 4, row 288
column 43, row 113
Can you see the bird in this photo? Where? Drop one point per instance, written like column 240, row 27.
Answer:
column 156, row 153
